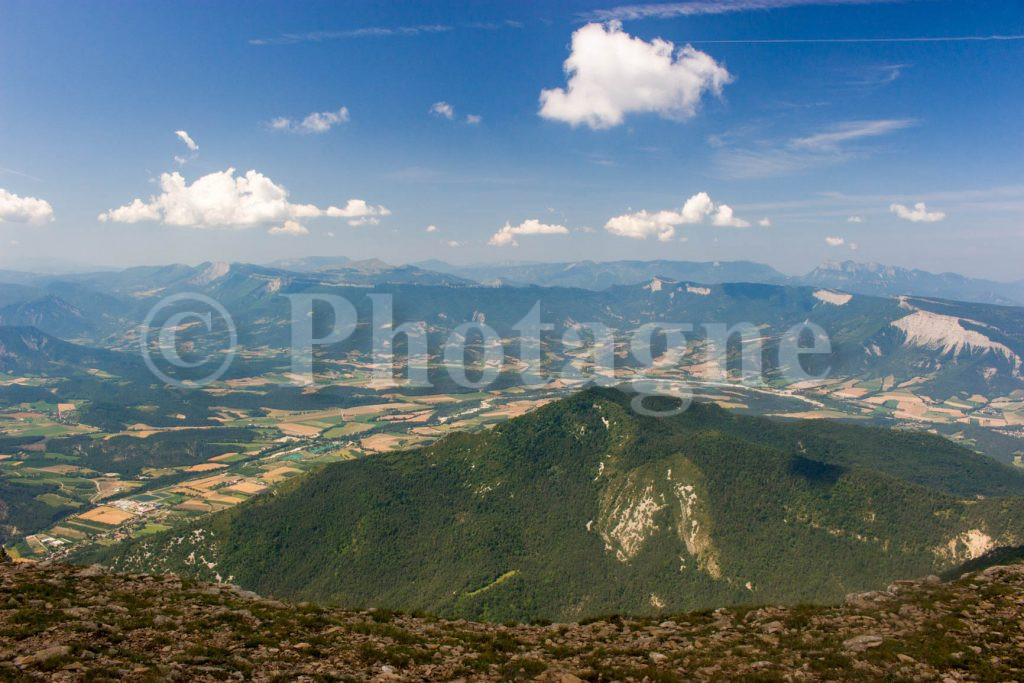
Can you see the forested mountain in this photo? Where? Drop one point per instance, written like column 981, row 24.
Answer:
column 583, row 507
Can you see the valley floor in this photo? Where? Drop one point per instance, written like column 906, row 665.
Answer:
column 60, row 622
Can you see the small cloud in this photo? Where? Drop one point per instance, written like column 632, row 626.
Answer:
column 765, row 223
column 834, row 241
column 919, row 214
column 853, row 246
column 724, row 218
column 187, row 139
column 358, row 212
column 453, row 244
column 443, row 109
column 16, row 209
column 506, row 237
column 431, row 228
column 291, row 228
column 662, row 224
column 855, row 219
column 473, row 119
column 315, row 123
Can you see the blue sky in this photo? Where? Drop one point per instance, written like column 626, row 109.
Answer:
column 832, row 120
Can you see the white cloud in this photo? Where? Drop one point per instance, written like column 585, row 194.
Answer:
column 834, row 241
column 765, row 223
column 224, row 200
column 453, row 244
column 696, row 208
column 663, row 224
column 17, row 209
column 507, row 235
column 431, row 228
column 289, row 227
column 443, row 109
column 611, row 74
column 187, row 139
column 641, row 225
column 919, row 214
column 473, row 119
column 855, row 219
column 317, row 122
column 724, row 218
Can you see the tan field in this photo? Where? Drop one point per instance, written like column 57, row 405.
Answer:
column 207, row 467
column 517, row 408
column 106, row 514
column 221, row 499
column 61, row 469
column 67, row 533
column 374, row 408
column 197, row 506
column 249, row 487
column 293, row 429
column 280, row 473
column 380, row 443
column 222, row 456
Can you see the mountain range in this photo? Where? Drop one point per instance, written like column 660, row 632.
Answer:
column 944, row 347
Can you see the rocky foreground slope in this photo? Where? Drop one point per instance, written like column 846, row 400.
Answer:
column 63, row 622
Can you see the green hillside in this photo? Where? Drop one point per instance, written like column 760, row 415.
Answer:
column 583, row 508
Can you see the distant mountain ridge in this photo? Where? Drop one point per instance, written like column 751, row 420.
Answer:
column 945, row 347
column 881, row 280
column 601, row 275
column 857, row 278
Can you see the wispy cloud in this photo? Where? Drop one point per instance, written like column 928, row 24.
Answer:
column 379, row 32
column 830, row 146
column 848, row 131
column 367, row 32
column 11, row 171
column 878, row 75
column 691, row 8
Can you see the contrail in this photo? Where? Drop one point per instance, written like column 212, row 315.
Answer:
column 922, row 39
